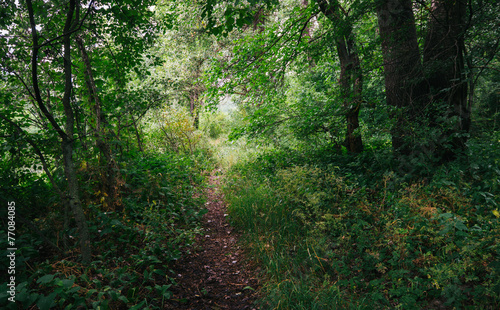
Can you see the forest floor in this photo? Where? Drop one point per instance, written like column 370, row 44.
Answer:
column 216, row 274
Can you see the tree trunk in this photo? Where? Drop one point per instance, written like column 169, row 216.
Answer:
column 193, row 109
column 194, row 92
column 109, row 181
column 351, row 77
column 405, row 88
column 445, row 69
column 74, row 201
column 137, row 134
column 66, row 135
column 351, row 85
column 67, row 140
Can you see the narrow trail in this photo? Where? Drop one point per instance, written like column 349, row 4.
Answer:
column 217, row 275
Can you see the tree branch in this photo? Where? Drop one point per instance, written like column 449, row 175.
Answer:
column 74, row 29
column 34, row 73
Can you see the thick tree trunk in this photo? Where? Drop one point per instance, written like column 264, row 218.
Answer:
column 405, row 88
column 444, row 64
column 74, row 201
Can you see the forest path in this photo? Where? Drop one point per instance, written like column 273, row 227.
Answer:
column 216, row 274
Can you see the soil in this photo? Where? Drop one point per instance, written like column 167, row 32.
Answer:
column 217, row 275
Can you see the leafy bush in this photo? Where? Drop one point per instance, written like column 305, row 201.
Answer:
column 214, row 125
column 173, row 130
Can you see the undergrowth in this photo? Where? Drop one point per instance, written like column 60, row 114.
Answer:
column 335, row 232
column 159, row 216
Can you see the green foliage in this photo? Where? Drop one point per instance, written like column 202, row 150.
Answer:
column 174, row 131
column 223, row 19
column 163, row 184
column 161, row 213
column 332, row 234
column 215, row 125
column 330, row 229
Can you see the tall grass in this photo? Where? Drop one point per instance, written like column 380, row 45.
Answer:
column 294, row 272
column 327, row 242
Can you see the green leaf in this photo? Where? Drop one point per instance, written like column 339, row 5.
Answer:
column 67, row 283
column 446, row 216
column 46, row 302
column 161, row 272
column 45, row 279
column 460, row 226
column 73, row 290
column 91, row 292
column 139, row 305
column 113, row 295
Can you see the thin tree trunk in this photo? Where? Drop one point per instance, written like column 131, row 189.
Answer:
column 72, row 18
column 193, row 99
column 137, row 135
column 194, row 94
column 109, row 176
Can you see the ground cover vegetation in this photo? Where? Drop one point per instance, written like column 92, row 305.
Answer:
column 378, row 187
column 359, row 142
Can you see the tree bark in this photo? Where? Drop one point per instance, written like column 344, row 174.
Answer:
column 351, row 77
column 351, row 85
column 194, row 92
column 405, row 87
column 109, row 176
column 137, row 135
column 67, row 142
column 193, row 109
column 445, row 69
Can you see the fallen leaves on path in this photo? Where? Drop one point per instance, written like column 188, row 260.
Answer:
column 217, row 275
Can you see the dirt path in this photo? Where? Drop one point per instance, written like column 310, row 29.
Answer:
column 217, row 276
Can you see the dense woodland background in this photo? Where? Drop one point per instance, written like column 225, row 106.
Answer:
column 359, row 141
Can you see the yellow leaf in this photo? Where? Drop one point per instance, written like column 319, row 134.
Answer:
column 496, row 213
